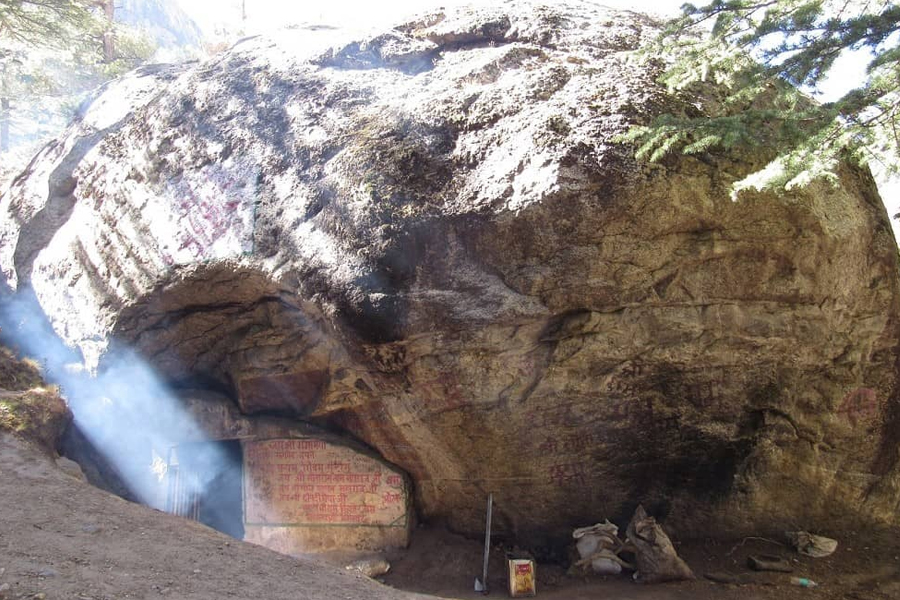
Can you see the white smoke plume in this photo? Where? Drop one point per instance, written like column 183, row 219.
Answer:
column 123, row 409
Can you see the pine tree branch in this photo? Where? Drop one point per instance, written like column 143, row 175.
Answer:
column 755, row 104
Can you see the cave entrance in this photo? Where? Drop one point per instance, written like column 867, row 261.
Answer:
column 205, row 483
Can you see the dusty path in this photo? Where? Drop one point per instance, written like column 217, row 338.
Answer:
column 69, row 541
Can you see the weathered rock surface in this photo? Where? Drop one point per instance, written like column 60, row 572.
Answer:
column 428, row 239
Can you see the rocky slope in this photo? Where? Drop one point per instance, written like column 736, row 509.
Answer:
column 65, row 539
column 429, row 240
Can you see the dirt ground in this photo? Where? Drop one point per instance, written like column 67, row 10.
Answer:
column 865, row 567
column 60, row 538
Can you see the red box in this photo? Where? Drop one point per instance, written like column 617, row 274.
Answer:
column 522, row 578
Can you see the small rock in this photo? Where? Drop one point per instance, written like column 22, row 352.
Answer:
column 39, row 596
column 90, row 528
column 817, row 546
column 769, row 562
column 196, row 571
column 370, row 567
column 48, row 573
column 71, row 468
column 4, row 588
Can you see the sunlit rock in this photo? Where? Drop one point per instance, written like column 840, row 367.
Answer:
column 429, row 241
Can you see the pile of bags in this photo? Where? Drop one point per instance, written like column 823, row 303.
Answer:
column 655, row 560
column 599, row 547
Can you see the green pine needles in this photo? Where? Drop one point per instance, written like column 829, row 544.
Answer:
column 46, row 22
column 767, row 60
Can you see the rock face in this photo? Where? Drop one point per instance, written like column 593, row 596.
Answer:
column 429, row 240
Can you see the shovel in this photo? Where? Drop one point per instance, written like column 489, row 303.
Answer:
column 481, row 584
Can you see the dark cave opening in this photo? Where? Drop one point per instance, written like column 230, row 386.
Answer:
column 205, row 483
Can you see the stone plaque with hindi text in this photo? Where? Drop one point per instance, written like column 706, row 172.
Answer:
column 309, row 482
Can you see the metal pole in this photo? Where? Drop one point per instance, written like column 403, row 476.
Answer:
column 487, row 542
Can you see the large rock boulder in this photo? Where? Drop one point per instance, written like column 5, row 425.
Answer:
column 428, row 239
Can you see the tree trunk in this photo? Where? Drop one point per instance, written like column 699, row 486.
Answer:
column 4, row 124
column 109, row 48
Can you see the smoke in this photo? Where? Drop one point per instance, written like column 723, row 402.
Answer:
column 123, row 409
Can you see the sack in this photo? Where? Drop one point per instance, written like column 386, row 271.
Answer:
column 598, row 546
column 655, row 555
column 816, row 546
column 606, row 563
column 602, row 536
